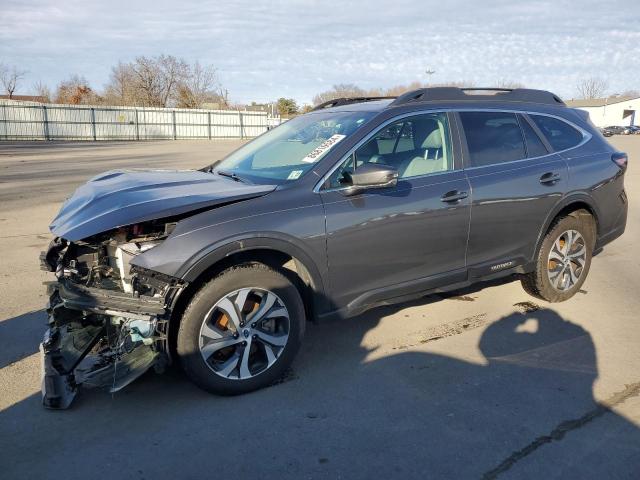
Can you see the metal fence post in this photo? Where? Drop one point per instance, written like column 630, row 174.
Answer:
column 93, row 123
column 173, row 115
column 4, row 121
column 241, row 125
column 45, row 123
column 137, row 125
column 209, row 124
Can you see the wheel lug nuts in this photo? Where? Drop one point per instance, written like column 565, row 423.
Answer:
column 253, row 325
column 254, row 336
column 244, row 344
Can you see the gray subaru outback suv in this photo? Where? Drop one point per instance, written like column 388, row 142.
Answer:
column 360, row 202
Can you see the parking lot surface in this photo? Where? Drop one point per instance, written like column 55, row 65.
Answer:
column 483, row 383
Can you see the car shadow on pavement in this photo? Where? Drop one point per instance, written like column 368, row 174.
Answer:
column 347, row 411
column 20, row 336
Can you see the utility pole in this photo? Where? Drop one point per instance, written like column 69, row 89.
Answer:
column 428, row 72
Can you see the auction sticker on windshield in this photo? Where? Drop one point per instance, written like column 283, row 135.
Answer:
column 295, row 174
column 323, row 148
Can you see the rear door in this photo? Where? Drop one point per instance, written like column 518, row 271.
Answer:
column 394, row 241
column 515, row 181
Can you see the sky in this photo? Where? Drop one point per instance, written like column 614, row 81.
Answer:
column 264, row 50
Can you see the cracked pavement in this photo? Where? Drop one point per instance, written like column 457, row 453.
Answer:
column 482, row 383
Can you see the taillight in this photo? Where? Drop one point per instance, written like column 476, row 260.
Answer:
column 620, row 159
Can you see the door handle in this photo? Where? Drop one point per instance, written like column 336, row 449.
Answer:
column 454, row 196
column 549, row 178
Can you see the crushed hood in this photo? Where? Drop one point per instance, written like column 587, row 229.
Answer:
column 124, row 197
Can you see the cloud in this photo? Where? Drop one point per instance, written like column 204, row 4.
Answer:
column 297, row 48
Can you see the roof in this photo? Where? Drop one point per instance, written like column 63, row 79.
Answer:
column 24, row 98
column 444, row 94
column 599, row 102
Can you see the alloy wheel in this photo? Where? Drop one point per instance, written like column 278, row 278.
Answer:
column 244, row 333
column 567, row 259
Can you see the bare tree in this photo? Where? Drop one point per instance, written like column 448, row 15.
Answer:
column 593, row 87
column 148, row 84
column 342, row 90
column 503, row 83
column 148, row 81
column 10, row 76
column 350, row 90
column 163, row 81
column 400, row 89
column 630, row 93
column 42, row 90
column 76, row 91
column 157, row 79
column 120, row 89
column 199, row 86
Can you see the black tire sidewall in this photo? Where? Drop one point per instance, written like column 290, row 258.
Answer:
column 252, row 275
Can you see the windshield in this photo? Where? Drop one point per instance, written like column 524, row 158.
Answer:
column 285, row 153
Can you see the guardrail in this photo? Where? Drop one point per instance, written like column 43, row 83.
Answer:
column 33, row 121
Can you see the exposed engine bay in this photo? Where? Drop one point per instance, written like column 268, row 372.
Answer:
column 108, row 320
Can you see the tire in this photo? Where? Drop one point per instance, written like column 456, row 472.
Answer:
column 213, row 328
column 558, row 275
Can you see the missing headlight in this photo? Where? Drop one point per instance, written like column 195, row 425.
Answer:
column 123, row 254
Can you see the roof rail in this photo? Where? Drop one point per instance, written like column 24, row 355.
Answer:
column 337, row 102
column 454, row 93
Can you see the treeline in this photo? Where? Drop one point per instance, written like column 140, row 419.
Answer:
column 288, row 106
column 168, row 81
column 160, row 81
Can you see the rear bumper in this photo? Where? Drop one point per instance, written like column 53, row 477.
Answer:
column 617, row 227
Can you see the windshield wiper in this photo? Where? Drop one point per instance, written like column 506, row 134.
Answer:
column 231, row 175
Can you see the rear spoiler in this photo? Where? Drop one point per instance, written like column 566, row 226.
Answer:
column 583, row 114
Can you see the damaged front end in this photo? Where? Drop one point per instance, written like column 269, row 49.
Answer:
column 108, row 320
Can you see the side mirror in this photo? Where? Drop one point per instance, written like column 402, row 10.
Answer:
column 371, row 175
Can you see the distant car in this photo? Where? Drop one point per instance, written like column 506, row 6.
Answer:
column 615, row 130
column 606, row 132
column 634, row 130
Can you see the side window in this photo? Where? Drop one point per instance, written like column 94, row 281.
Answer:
column 492, row 137
column 415, row 146
column 560, row 134
column 387, row 138
column 535, row 147
column 405, row 140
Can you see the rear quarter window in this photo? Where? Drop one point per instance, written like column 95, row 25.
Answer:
column 535, row 147
column 559, row 134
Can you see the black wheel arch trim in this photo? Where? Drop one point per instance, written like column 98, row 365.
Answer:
column 573, row 198
column 208, row 257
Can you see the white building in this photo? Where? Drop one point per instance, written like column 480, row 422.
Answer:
column 605, row 112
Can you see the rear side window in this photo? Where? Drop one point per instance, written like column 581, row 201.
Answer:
column 560, row 134
column 492, row 137
column 535, row 147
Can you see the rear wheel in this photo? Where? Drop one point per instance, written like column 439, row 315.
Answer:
column 563, row 260
column 241, row 330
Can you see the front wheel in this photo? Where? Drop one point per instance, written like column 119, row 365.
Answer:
column 563, row 260
column 241, row 330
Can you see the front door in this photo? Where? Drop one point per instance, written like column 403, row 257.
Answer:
column 399, row 240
